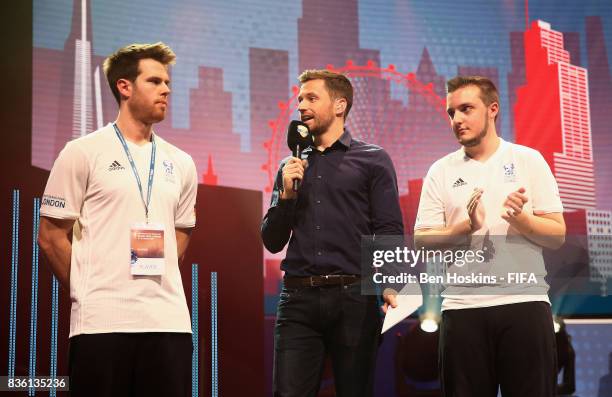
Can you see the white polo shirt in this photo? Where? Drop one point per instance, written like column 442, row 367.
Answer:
column 93, row 183
column 447, row 188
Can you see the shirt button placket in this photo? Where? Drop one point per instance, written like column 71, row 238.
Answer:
column 317, row 215
column 318, row 227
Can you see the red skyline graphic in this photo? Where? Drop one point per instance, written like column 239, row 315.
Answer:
column 552, row 115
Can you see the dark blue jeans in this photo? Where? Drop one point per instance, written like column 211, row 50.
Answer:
column 316, row 321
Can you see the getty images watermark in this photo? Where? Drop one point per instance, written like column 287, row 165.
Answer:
column 483, row 264
column 404, row 256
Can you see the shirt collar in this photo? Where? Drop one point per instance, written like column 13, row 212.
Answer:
column 345, row 138
column 344, row 142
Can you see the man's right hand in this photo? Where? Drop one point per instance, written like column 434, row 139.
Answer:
column 293, row 169
column 475, row 209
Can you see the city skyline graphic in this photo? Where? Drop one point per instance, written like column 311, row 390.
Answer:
column 554, row 91
column 405, row 123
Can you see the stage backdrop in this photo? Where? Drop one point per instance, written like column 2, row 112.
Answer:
column 234, row 90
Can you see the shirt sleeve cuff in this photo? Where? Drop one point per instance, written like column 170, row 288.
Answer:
column 287, row 206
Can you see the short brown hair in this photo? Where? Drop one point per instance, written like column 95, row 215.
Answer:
column 488, row 91
column 337, row 84
column 123, row 63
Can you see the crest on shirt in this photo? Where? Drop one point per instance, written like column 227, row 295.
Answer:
column 169, row 170
column 168, row 167
column 509, row 173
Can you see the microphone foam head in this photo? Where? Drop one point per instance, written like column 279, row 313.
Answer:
column 303, row 131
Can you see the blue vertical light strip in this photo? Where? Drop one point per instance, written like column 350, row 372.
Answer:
column 194, row 329
column 13, row 303
column 34, row 304
column 214, row 369
column 54, row 316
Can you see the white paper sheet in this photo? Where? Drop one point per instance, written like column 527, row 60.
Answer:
column 409, row 299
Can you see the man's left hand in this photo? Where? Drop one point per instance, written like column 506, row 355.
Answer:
column 390, row 298
column 513, row 205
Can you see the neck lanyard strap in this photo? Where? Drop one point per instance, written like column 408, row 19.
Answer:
column 151, row 169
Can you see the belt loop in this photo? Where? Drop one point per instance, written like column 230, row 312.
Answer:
column 341, row 282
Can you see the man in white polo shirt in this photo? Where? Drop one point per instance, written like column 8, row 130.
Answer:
column 116, row 218
column 501, row 199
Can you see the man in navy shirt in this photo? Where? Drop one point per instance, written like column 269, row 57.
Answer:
column 348, row 189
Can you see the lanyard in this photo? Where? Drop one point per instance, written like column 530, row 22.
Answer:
column 151, row 169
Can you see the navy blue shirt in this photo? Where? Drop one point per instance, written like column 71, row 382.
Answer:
column 349, row 190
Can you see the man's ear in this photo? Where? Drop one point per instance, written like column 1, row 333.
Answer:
column 124, row 86
column 340, row 106
column 493, row 110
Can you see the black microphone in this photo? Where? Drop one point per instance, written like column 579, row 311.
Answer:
column 298, row 139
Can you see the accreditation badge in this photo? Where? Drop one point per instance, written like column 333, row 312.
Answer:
column 147, row 249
